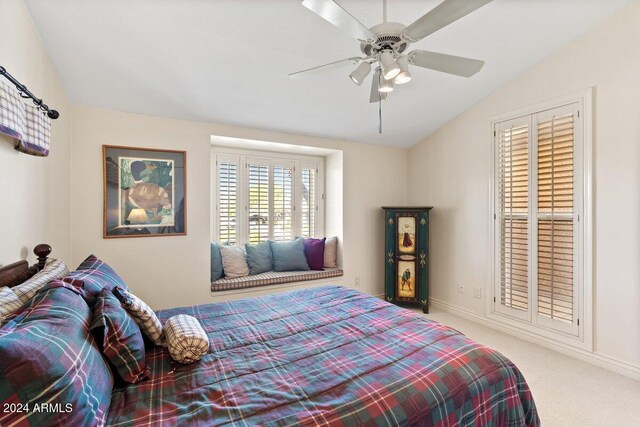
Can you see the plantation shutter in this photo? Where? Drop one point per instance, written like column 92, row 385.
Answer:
column 282, row 202
column 555, row 215
column 258, row 204
column 513, row 217
column 227, row 201
column 308, row 202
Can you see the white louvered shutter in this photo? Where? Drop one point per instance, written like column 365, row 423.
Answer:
column 258, row 202
column 308, row 201
column 512, row 203
column 227, row 200
column 556, row 225
column 282, row 182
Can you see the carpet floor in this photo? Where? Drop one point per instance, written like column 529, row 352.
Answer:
column 567, row 391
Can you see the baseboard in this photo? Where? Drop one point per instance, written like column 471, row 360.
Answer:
column 600, row 360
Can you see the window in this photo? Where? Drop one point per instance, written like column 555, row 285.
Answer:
column 267, row 198
column 539, row 218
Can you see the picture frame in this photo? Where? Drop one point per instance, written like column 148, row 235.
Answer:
column 144, row 192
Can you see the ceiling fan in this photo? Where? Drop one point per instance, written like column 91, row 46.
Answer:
column 385, row 45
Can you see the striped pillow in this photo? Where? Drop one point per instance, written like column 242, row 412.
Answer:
column 186, row 339
column 9, row 303
column 94, row 275
column 53, row 269
column 143, row 315
column 119, row 337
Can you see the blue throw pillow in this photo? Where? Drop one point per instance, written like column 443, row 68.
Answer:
column 259, row 258
column 216, row 262
column 289, row 256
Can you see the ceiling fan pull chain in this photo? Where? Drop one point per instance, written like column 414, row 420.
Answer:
column 379, row 106
column 384, row 11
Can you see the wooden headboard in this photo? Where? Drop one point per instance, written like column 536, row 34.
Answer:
column 16, row 273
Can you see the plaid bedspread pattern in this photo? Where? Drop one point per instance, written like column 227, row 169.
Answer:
column 326, row 356
column 273, row 278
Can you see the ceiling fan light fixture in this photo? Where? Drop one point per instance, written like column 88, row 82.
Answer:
column 360, row 73
column 386, row 85
column 404, row 76
column 390, row 68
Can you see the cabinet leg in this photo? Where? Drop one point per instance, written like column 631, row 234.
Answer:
column 425, row 309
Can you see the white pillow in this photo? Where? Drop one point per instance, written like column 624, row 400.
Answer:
column 234, row 261
column 9, row 303
column 187, row 342
column 331, row 252
column 53, row 269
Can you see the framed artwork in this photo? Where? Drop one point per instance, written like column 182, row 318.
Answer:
column 406, row 235
column 144, row 192
column 406, row 281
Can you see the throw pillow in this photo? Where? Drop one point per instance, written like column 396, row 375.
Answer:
column 92, row 276
column 9, row 303
column 119, row 337
column 53, row 269
column 187, row 341
column 234, row 261
column 331, row 252
column 314, row 251
column 216, row 262
column 289, row 255
column 144, row 316
column 259, row 258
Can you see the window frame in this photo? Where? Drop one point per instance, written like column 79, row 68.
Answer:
column 583, row 208
column 241, row 157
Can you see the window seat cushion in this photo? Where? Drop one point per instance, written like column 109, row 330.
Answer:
column 273, row 278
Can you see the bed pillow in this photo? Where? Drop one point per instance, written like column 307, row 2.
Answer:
column 47, row 355
column 144, row 316
column 259, row 258
column 53, row 269
column 289, row 255
column 187, row 341
column 234, row 261
column 9, row 303
column 331, row 252
column 216, row 262
column 119, row 338
column 314, row 251
column 92, row 276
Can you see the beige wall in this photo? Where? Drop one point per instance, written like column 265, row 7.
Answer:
column 35, row 192
column 451, row 171
column 173, row 271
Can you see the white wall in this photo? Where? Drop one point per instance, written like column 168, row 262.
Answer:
column 451, row 171
column 174, row 271
column 34, row 191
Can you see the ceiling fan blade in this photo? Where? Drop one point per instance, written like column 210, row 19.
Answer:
column 440, row 16
column 451, row 64
column 325, row 67
column 334, row 13
column 376, row 95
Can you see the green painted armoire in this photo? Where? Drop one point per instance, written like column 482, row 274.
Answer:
column 406, row 274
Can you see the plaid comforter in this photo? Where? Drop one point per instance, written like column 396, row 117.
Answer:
column 326, row 356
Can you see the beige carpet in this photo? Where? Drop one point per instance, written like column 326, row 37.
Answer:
column 567, row 391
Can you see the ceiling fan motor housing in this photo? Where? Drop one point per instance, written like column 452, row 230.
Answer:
column 388, row 35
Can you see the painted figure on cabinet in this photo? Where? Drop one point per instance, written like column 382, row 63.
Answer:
column 406, row 235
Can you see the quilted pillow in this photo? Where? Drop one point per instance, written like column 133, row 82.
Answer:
column 289, row 256
column 53, row 269
column 144, row 316
column 47, row 355
column 234, row 261
column 94, row 275
column 259, row 258
column 9, row 303
column 119, row 337
column 186, row 339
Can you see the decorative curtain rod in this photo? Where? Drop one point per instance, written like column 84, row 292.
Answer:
column 26, row 93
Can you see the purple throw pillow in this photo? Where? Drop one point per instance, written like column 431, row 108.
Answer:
column 314, row 251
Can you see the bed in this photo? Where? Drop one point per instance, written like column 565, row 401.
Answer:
column 324, row 356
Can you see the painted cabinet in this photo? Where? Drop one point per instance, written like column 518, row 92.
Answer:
column 407, row 255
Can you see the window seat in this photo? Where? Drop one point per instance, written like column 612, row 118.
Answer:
column 273, row 278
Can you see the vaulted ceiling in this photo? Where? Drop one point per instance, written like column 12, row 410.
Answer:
column 226, row 61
